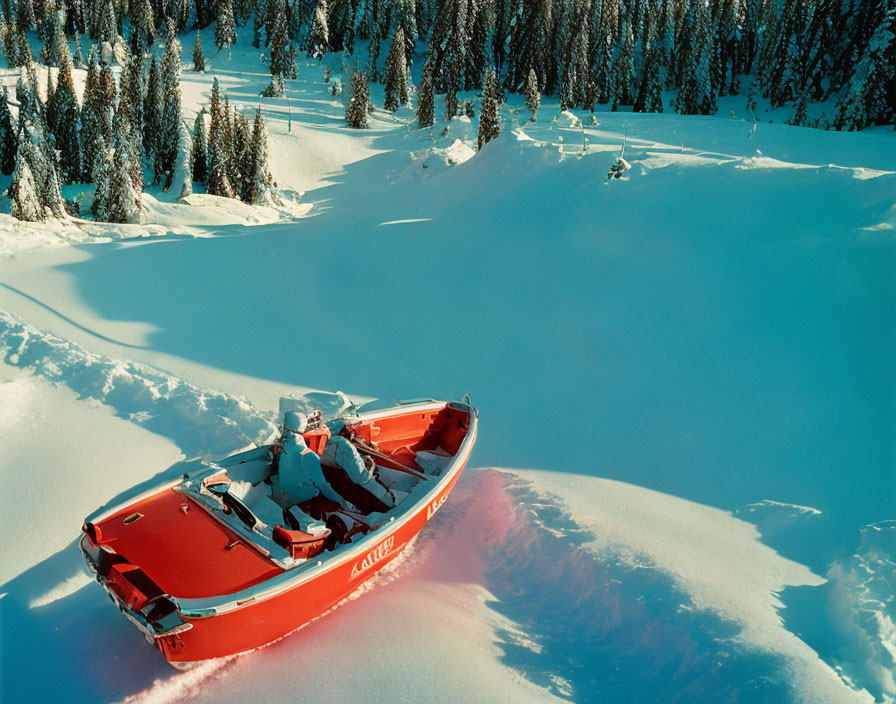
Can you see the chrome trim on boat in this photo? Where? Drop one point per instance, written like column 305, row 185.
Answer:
column 214, row 606
column 101, row 514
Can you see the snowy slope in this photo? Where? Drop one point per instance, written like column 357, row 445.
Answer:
column 685, row 358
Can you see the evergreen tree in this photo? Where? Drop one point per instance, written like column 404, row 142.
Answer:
column 67, row 130
column 101, row 175
column 127, row 148
column 871, row 98
column 282, row 58
column 171, row 116
column 240, row 170
column 131, row 98
column 650, row 95
column 696, row 96
column 108, row 26
column 96, row 118
column 24, row 201
column 404, row 17
column 397, row 92
column 122, row 200
column 59, row 53
column 143, row 22
column 152, row 114
column 489, row 114
column 218, row 183
column 198, row 56
column 318, row 39
column 533, row 97
column 200, row 148
column 356, row 111
column 624, row 70
column 9, row 144
column 426, row 108
column 225, row 30
column 260, row 175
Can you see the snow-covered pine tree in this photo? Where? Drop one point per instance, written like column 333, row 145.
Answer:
column 198, row 56
column 426, row 106
column 623, row 69
column 130, row 98
column 9, row 144
column 10, row 38
column 30, row 107
column 171, row 113
column 260, row 181
column 123, row 139
column 533, row 97
column 397, row 92
column 283, row 60
column 318, row 41
column 449, row 46
column 108, row 24
column 784, row 76
column 122, row 203
column 67, row 131
column 152, row 114
column 225, row 29
column 101, row 170
column 143, row 22
column 96, row 115
column 25, row 16
column 696, row 96
column 490, row 112
column 240, row 171
column 404, row 15
column 40, row 153
column 871, row 98
column 24, row 201
column 59, row 52
column 200, row 148
column 218, row 183
column 356, row 111
column 650, row 95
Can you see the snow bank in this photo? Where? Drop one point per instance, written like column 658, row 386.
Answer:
column 717, row 561
column 199, row 421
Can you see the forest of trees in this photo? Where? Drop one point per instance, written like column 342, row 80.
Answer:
column 127, row 129
column 618, row 53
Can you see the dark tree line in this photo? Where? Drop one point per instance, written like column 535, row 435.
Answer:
column 126, row 130
column 620, row 53
column 586, row 52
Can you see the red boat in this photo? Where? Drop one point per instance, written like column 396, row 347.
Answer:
column 200, row 573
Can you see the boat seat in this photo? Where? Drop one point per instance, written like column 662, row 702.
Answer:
column 258, row 500
column 432, row 463
column 358, row 484
column 306, row 523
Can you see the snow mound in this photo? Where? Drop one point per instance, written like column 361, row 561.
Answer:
column 201, row 422
column 716, row 562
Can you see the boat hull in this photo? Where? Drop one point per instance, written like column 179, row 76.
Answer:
column 265, row 621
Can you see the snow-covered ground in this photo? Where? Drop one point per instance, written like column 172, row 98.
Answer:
column 692, row 367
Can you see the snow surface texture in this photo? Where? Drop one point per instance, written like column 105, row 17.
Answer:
column 695, row 360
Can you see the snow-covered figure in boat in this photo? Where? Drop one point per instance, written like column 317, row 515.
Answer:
column 341, row 453
column 299, row 476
